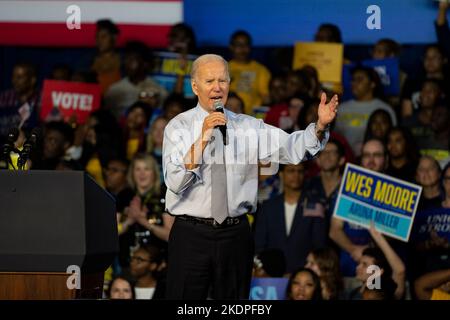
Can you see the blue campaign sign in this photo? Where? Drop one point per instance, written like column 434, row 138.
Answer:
column 432, row 220
column 387, row 69
column 366, row 196
column 165, row 68
column 268, row 288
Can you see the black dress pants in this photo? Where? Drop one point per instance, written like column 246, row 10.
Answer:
column 209, row 262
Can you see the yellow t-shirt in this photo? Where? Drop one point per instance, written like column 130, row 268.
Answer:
column 251, row 82
column 438, row 294
column 94, row 168
column 132, row 147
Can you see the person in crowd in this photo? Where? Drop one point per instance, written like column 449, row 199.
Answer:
column 328, row 32
column 181, row 40
column 173, row 105
column 115, row 174
column 434, row 285
column 144, row 265
column 325, row 263
column 287, row 223
column 351, row 238
column 390, row 49
column 121, row 288
column 321, row 190
column 386, row 259
column 61, row 72
column 378, row 125
column 98, row 141
column 136, row 121
column 249, row 78
column 427, row 175
column 137, row 63
column 352, row 120
column 58, row 137
column 141, row 218
column 442, row 27
column 20, row 105
column 403, row 154
column 438, row 144
column 430, row 95
column 304, row 284
column 434, row 65
column 155, row 138
column 430, row 239
column 106, row 63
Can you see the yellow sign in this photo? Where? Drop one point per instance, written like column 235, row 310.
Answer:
column 327, row 58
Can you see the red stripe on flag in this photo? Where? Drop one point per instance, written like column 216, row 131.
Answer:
column 58, row 35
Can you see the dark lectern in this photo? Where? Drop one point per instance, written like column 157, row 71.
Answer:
column 51, row 223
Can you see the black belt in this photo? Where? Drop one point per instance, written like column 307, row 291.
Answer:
column 228, row 222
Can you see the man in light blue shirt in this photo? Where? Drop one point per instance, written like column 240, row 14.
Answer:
column 209, row 254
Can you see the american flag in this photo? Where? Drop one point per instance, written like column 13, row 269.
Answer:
column 44, row 23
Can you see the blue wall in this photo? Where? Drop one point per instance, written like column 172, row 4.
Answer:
column 282, row 22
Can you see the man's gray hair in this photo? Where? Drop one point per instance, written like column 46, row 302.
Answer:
column 205, row 59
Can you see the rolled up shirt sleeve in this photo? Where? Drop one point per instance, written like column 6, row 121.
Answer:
column 176, row 144
column 278, row 146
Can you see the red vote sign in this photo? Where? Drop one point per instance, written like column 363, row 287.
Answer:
column 65, row 99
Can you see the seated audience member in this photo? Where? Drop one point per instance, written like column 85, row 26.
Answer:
column 121, row 288
column 378, row 125
column 325, row 263
column 389, row 264
column 434, row 285
column 403, row 154
column 144, row 265
column 304, row 284
column 58, row 137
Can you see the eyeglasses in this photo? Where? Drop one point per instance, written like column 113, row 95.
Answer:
column 139, row 259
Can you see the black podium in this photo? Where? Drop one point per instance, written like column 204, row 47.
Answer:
column 52, row 222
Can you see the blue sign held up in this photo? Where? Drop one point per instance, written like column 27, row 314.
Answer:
column 367, row 196
column 268, row 288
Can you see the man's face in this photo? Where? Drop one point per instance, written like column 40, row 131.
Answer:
column 361, row 84
column 240, row 48
column 105, row 40
column 21, row 80
column 211, row 83
column 329, row 159
column 54, row 144
column 373, row 156
column 293, row 176
column 429, row 95
column 133, row 64
column 115, row 175
column 427, row 173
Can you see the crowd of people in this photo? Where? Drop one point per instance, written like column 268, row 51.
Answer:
column 405, row 136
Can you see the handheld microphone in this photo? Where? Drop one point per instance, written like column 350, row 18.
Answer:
column 218, row 106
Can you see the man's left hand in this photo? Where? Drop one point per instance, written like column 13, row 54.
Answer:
column 327, row 111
